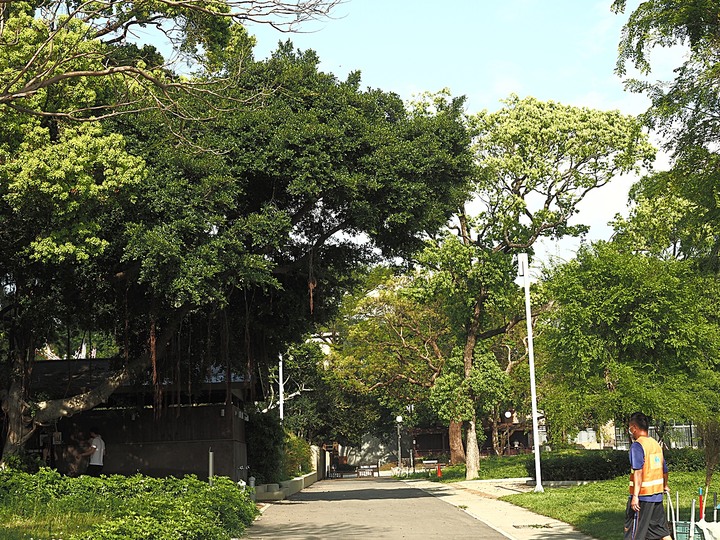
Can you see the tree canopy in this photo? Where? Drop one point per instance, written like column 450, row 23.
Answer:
column 448, row 326
column 225, row 245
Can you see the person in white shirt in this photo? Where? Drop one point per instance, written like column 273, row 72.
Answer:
column 96, row 453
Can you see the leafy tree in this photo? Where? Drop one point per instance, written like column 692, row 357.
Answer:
column 684, row 110
column 238, row 249
column 53, row 49
column 395, row 346
column 631, row 331
column 536, row 161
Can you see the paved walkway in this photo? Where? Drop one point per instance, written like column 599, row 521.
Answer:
column 479, row 498
column 386, row 508
column 376, row 508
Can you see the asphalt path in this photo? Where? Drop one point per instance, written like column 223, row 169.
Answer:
column 376, row 508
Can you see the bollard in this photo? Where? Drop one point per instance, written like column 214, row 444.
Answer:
column 251, row 483
column 211, row 466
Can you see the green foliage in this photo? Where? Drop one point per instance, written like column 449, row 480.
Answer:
column 129, row 508
column 112, row 227
column 265, row 439
column 23, row 462
column 581, row 465
column 683, row 110
column 685, row 459
column 607, row 464
column 629, row 332
column 556, row 151
column 598, row 508
column 297, row 457
column 492, row 467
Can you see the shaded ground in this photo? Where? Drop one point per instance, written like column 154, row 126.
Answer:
column 378, row 508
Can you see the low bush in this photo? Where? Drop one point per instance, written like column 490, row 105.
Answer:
column 685, row 459
column 607, row 464
column 581, row 465
column 127, row 508
column 297, row 458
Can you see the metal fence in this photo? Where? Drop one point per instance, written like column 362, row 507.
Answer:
column 674, row 436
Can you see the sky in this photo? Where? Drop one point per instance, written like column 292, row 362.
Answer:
column 561, row 50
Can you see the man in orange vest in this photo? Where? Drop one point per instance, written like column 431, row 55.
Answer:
column 645, row 516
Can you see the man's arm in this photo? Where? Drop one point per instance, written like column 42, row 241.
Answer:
column 637, row 476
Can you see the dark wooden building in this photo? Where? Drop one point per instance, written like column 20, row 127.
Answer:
column 174, row 438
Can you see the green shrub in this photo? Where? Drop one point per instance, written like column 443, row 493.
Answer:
column 24, row 462
column 131, row 508
column 685, row 459
column 297, row 458
column 265, row 439
column 607, row 464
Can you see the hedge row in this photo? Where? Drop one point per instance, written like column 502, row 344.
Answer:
column 132, row 508
column 607, row 464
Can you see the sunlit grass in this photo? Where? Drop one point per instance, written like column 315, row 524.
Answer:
column 598, row 509
column 494, row 467
column 53, row 525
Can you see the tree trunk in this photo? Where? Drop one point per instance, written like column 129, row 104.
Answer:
column 473, row 451
column 457, row 452
column 19, row 428
column 496, row 438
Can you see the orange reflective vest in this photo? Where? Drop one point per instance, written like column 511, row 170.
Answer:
column 652, row 471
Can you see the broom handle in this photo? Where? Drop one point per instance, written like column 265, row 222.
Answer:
column 672, row 513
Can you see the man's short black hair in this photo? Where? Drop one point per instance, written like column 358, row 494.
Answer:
column 95, row 430
column 640, row 420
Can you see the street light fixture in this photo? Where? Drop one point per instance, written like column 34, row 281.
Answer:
column 524, row 273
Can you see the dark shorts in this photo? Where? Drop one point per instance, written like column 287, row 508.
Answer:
column 649, row 523
column 94, row 470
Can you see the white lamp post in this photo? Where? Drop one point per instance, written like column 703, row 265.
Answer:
column 524, row 273
column 399, row 420
column 508, row 415
column 281, row 387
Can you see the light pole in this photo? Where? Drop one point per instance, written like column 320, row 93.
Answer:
column 411, row 410
column 524, row 273
column 399, row 420
column 281, row 387
column 508, row 414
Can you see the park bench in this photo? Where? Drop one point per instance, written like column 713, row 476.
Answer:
column 431, row 465
column 368, row 470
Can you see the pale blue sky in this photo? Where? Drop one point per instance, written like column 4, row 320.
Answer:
column 551, row 49
column 562, row 50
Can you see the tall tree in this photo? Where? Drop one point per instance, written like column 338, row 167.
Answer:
column 246, row 230
column 395, row 345
column 537, row 161
column 684, row 110
column 632, row 331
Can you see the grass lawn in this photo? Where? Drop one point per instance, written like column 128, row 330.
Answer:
column 490, row 467
column 598, row 509
column 46, row 525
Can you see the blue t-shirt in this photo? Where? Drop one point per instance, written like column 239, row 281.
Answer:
column 637, row 460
